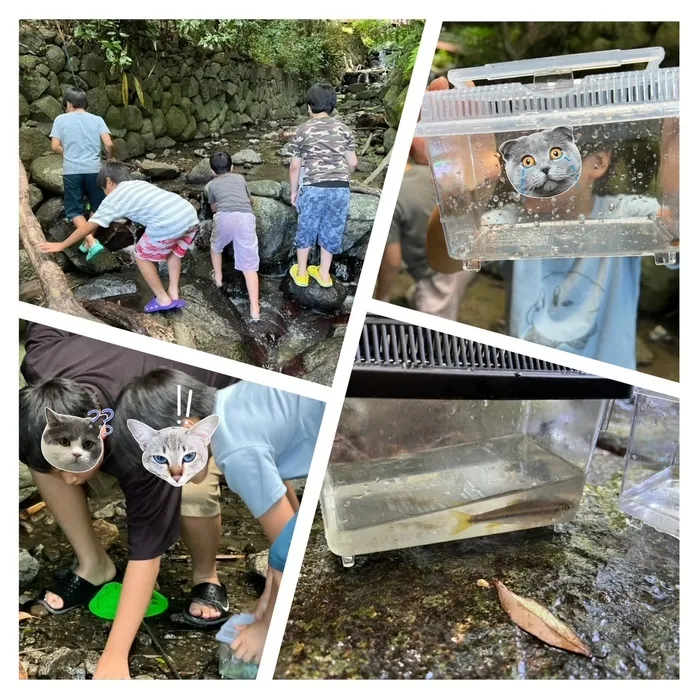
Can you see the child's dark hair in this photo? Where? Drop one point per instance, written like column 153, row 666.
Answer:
column 321, row 97
column 220, row 162
column 61, row 395
column 116, row 172
column 152, row 399
column 76, row 97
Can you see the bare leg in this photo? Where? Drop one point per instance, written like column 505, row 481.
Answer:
column 251, row 282
column 216, row 263
column 149, row 272
column 202, row 537
column 264, row 600
column 174, row 267
column 68, row 505
column 325, row 266
column 302, row 259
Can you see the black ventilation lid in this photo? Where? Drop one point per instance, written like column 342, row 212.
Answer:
column 401, row 361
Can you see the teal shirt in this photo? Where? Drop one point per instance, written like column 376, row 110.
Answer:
column 79, row 133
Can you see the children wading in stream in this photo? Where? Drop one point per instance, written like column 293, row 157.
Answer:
column 325, row 148
column 234, row 222
column 79, row 136
column 171, row 224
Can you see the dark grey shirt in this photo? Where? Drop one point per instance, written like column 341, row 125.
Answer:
column 410, row 223
column 230, row 193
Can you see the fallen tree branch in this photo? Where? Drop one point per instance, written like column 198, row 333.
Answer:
column 367, row 143
column 379, row 169
column 56, row 290
column 123, row 317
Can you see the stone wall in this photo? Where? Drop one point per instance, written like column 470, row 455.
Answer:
column 187, row 94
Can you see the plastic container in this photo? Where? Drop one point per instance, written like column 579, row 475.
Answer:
column 651, row 485
column 429, row 455
column 229, row 665
column 610, row 136
column 106, row 601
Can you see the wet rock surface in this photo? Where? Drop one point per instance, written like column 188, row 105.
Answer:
column 418, row 613
column 107, row 287
column 315, row 296
column 104, row 262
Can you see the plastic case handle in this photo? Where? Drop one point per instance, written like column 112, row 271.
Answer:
column 554, row 65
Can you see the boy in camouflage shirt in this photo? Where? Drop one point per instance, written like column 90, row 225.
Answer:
column 325, row 148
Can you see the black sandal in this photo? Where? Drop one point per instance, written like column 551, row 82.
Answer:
column 74, row 590
column 209, row 594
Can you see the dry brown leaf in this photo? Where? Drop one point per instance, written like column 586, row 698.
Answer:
column 539, row 622
column 483, row 583
column 26, row 616
column 32, row 510
column 22, row 673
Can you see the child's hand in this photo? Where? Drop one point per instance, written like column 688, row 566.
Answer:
column 112, row 668
column 51, row 247
column 248, row 645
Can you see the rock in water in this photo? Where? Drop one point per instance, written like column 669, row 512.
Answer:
column 63, row 664
column 276, row 228
column 315, row 296
column 265, row 188
column 106, row 287
column 28, row 568
column 246, row 157
column 159, row 171
column 201, row 173
column 104, row 262
column 47, row 172
column 320, row 361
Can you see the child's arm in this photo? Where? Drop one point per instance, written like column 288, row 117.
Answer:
column 108, row 146
column 80, row 233
column 351, row 160
column 294, row 170
column 57, row 146
column 139, row 583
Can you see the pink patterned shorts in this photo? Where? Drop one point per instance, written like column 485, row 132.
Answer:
column 156, row 251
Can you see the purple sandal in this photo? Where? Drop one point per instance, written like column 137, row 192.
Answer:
column 154, row 307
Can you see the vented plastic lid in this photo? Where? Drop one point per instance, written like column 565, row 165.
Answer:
column 397, row 360
column 520, row 106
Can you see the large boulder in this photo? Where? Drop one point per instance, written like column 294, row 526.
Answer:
column 55, row 58
column 394, row 99
column 33, row 144
column 114, row 117
column 31, row 41
column 107, row 287
column 176, row 121
column 201, row 173
column 50, row 212
column 28, row 568
column 98, row 102
column 27, row 487
column 275, row 224
column 316, row 297
column 45, row 109
column 159, row 124
column 363, row 208
column 133, row 119
column 321, row 361
column 246, row 157
column 104, row 262
column 32, row 85
column 36, row 196
column 159, row 171
column 24, row 109
column 265, row 188
column 47, row 172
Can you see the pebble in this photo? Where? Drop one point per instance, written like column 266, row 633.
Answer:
column 151, row 156
column 483, row 583
column 166, row 152
column 199, row 152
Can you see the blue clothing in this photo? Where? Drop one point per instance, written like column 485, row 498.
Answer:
column 265, row 436
column 586, row 306
column 280, row 547
column 78, row 187
column 79, row 134
column 323, row 215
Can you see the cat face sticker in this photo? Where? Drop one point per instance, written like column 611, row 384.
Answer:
column 75, row 444
column 174, row 454
column 543, row 164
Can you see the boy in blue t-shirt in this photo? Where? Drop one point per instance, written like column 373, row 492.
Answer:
column 79, row 137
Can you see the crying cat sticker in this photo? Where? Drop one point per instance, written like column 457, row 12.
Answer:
column 75, row 444
column 544, row 164
column 179, row 453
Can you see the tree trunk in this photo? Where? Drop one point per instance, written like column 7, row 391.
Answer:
column 122, row 317
column 379, row 169
column 57, row 293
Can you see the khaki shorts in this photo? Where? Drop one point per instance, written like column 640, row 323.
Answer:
column 198, row 500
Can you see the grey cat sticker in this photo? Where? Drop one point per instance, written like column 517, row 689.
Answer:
column 71, row 443
column 543, row 164
column 174, row 454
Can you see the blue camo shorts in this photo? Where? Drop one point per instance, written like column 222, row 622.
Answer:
column 323, row 213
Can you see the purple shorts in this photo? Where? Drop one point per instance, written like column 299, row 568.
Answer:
column 238, row 228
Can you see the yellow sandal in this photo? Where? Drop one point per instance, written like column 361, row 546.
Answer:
column 299, row 281
column 316, row 274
